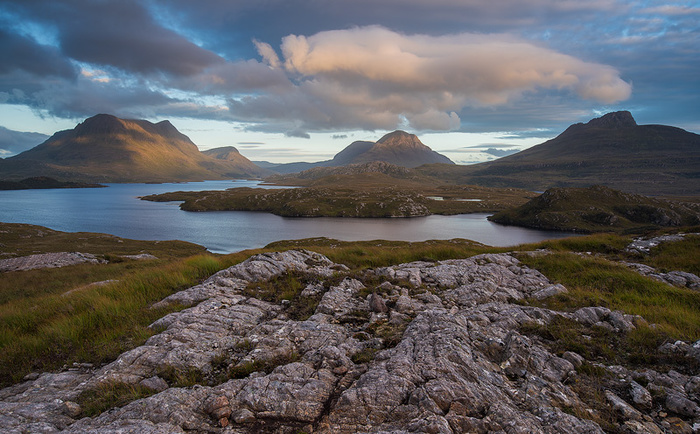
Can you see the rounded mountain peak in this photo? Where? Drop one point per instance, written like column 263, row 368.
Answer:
column 400, row 139
column 613, row 120
column 100, row 124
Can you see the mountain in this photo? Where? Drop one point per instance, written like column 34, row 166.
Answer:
column 104, row 148
column 351, row 153
column 366, row 175
column 398, row 148
column 401, row 149
column 611, row 150
column 231, row 154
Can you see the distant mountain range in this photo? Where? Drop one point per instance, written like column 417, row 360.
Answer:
column 105, row 148
column 611, row 150
column 398, row 148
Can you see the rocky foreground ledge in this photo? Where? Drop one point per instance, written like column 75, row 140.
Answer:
column 419, row 347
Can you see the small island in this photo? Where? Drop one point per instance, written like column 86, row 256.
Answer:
column 367, row 190
column 44, row 182
column 599, row 209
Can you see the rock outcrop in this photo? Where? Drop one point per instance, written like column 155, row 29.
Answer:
column 419, row 347
column 48, row 260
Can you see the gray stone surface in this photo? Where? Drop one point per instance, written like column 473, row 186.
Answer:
column 441, row 353
column 48, row 260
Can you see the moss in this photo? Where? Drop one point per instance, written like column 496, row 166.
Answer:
column 636, row 349
column 246, row 368
column 181, row 377
column 288, row 287
column 364, row 356
column 94, row 402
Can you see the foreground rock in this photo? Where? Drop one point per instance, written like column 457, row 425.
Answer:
column 426, row 347
column 48, row 260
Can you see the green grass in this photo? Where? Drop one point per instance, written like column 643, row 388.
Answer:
column 42, row 332
column 95, row 401
column 244, row 369
column 21, row 239
column 288, row 287
column 596, row 281
column 682, row 255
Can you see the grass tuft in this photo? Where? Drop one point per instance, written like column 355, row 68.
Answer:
column 94, row 402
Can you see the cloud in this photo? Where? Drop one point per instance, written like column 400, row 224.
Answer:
column 454, row 69
column 375, row 78
column 85, row 97
column 501, row 152
column 491, row 146
column 298, row 133
column 672, row 10
column 122, row 34
column 239, row 77
column 21, row 53
column 13, row 142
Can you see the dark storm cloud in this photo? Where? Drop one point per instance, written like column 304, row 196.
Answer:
column 20, row 53
column 88, row 97
column 122, row 34
column 229, row 25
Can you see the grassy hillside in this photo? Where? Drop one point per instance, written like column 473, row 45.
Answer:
column 598, row 209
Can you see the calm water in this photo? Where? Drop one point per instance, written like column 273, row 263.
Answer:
column 117, row 210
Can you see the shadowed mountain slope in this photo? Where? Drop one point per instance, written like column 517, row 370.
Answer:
column 611, row 150
column 105, row 148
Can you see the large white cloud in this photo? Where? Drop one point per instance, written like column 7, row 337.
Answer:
column 372, row 77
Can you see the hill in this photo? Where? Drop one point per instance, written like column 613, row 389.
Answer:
column 231, row 154
column 598, row 209
column 398, row 148
column 401, row 149
column 105, row 148
column 354, row 174
column 611, row 150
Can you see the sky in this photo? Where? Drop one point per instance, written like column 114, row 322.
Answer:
column 298, row 80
